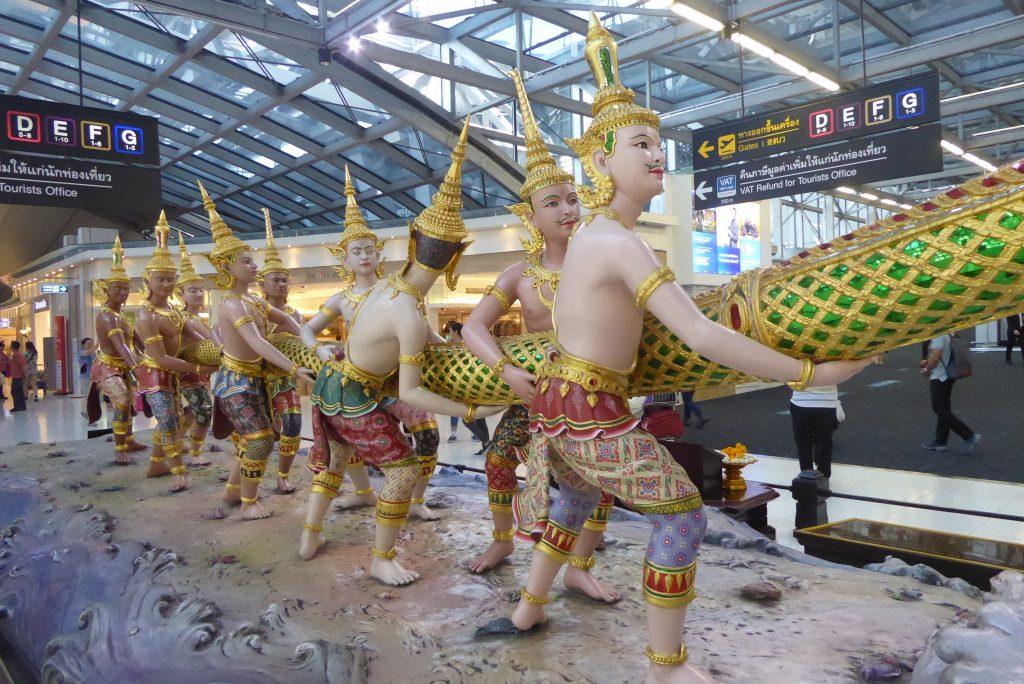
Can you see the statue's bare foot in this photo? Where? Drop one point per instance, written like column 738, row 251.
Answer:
column 157, row 469
column 678, row 674
column 423, row 512
column 198, row 461
column 284, row 486
column 255, row 511
column 356, row 500
column 135, row 446
column 310, row 544
column 526, row 616
column 391, row 572
column 495, row 553
column 232, row 495
column 180, row 484
column 581, row 580
column 121, row 458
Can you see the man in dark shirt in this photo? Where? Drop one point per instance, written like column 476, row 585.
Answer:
column 1014, row 337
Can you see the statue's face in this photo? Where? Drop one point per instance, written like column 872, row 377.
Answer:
column 361, row 256
column 637, row 165
column 194, row 296
column 556, row 211
column 117, row 293
column 161, row 283
column 243, row 267
column 275, row 284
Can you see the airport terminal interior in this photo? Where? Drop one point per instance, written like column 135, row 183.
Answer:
column 511, row 341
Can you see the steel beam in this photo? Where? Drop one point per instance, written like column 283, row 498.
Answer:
column 44, row 42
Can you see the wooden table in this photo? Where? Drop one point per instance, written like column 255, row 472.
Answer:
column 750, row 506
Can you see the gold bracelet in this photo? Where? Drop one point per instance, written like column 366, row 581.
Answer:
column 581, row 563
column 386, row 555
column 329, row 314
column 364, row 492
column 535, row 600
column 412, row 359
column 294, row 370
column 806, row 375
column 152, row 338
column 498, row 366
column 652, row 283
column 470, row 413
column 505, row 536
column 500, row 295
column 670, row 660
column 115, row 331
column 239, row 322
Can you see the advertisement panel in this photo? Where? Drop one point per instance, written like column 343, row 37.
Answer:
column 727, row 240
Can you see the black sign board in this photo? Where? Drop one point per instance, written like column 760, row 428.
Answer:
column 41, row 127
column 864, row 160
column 912, row 101
column 53, row 182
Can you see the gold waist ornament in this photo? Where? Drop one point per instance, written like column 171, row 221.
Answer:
column 588, row 375
column 252, row 368
column 112, row 361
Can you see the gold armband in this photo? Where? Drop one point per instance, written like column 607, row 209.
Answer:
column 500, row 295
column 328, row 313
column 239, row 322
column 499, row 365
column 412, row 359
column 652, row 283
column 152, row 338
column 294, row 370
column 115, row 331
column 470, row 413
column 806, row 375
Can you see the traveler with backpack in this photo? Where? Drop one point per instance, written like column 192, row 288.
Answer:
column 948, row 361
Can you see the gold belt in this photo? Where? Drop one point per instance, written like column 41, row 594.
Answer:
column 252, row 367
column 149, row 362
column 354, row 372
column 589, row 376
column 112, row 361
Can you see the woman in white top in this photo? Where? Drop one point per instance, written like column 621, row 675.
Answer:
column 816, row 414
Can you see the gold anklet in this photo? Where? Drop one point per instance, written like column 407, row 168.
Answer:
column 156, row 459
column 248, row 500
column 508, row 535
column 581, row 563
column 535, row 600
column 312, row 528
column 668, row 660
column 417, row 501
column 386, row 555
column 283, row 476
column 179, row 470
column 228, row 485
column 363, row 492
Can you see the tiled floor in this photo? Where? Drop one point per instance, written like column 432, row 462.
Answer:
column 59, row 419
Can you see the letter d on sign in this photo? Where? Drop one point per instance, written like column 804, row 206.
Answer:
column 24, row 127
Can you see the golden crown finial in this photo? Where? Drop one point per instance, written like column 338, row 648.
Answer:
column 161, row 261
column 225, row 244
column 541, row 169
column 272, row 259
column 117, row 269
column 185, row 268
column 356, row 228
column 442, row 220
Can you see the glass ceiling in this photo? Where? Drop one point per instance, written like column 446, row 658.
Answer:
column 248, row 108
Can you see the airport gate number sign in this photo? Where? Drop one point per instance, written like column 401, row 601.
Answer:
column 865, row 160
column 64, row 130
column 912, row 101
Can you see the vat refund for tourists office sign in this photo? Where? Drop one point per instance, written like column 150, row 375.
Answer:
column 912, row 101
column 55, row 182
column 899, row 154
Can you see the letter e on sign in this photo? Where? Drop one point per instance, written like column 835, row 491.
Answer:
column 909, row 103
column 822, row 123
column 95, row 135
column 849, row 117
column 24, row 127
column 128, row 139
column 61, row 131
column 878, row 110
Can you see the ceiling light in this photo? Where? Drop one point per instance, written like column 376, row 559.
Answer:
column 891, row 203
column 354, row 43
column 955, row 149
column 826, row 83
column 848, row 191
column 869, row 196
column 998, row 130
column 905, row 206
column 790, row 65
column 752, row 45
column 383, row 26
column 1008, row 86
column 978, row 161
column 686, row 12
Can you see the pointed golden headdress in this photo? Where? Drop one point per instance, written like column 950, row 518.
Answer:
column 161, row 262
column 225, row 244
column 356, row 228
column 186, row 269
column 272, row 260
column 541, row 168
column 117, row 270
column 442, row 222
column 613, row 108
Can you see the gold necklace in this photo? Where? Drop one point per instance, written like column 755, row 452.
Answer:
column 540, row 276
column 350, row 295
column 399, row 284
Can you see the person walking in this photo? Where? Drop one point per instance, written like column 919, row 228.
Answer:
column 1014, row 337
column 5, row 370
column 32, row 372
column 690, row 408
column 815, row 413
column 18, row 373
column 936, row 369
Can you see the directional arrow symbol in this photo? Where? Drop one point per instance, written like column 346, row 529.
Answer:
column 702, row 190
column 705, row 149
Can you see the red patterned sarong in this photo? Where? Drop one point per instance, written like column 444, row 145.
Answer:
column 376, row 438
column 155, row 380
